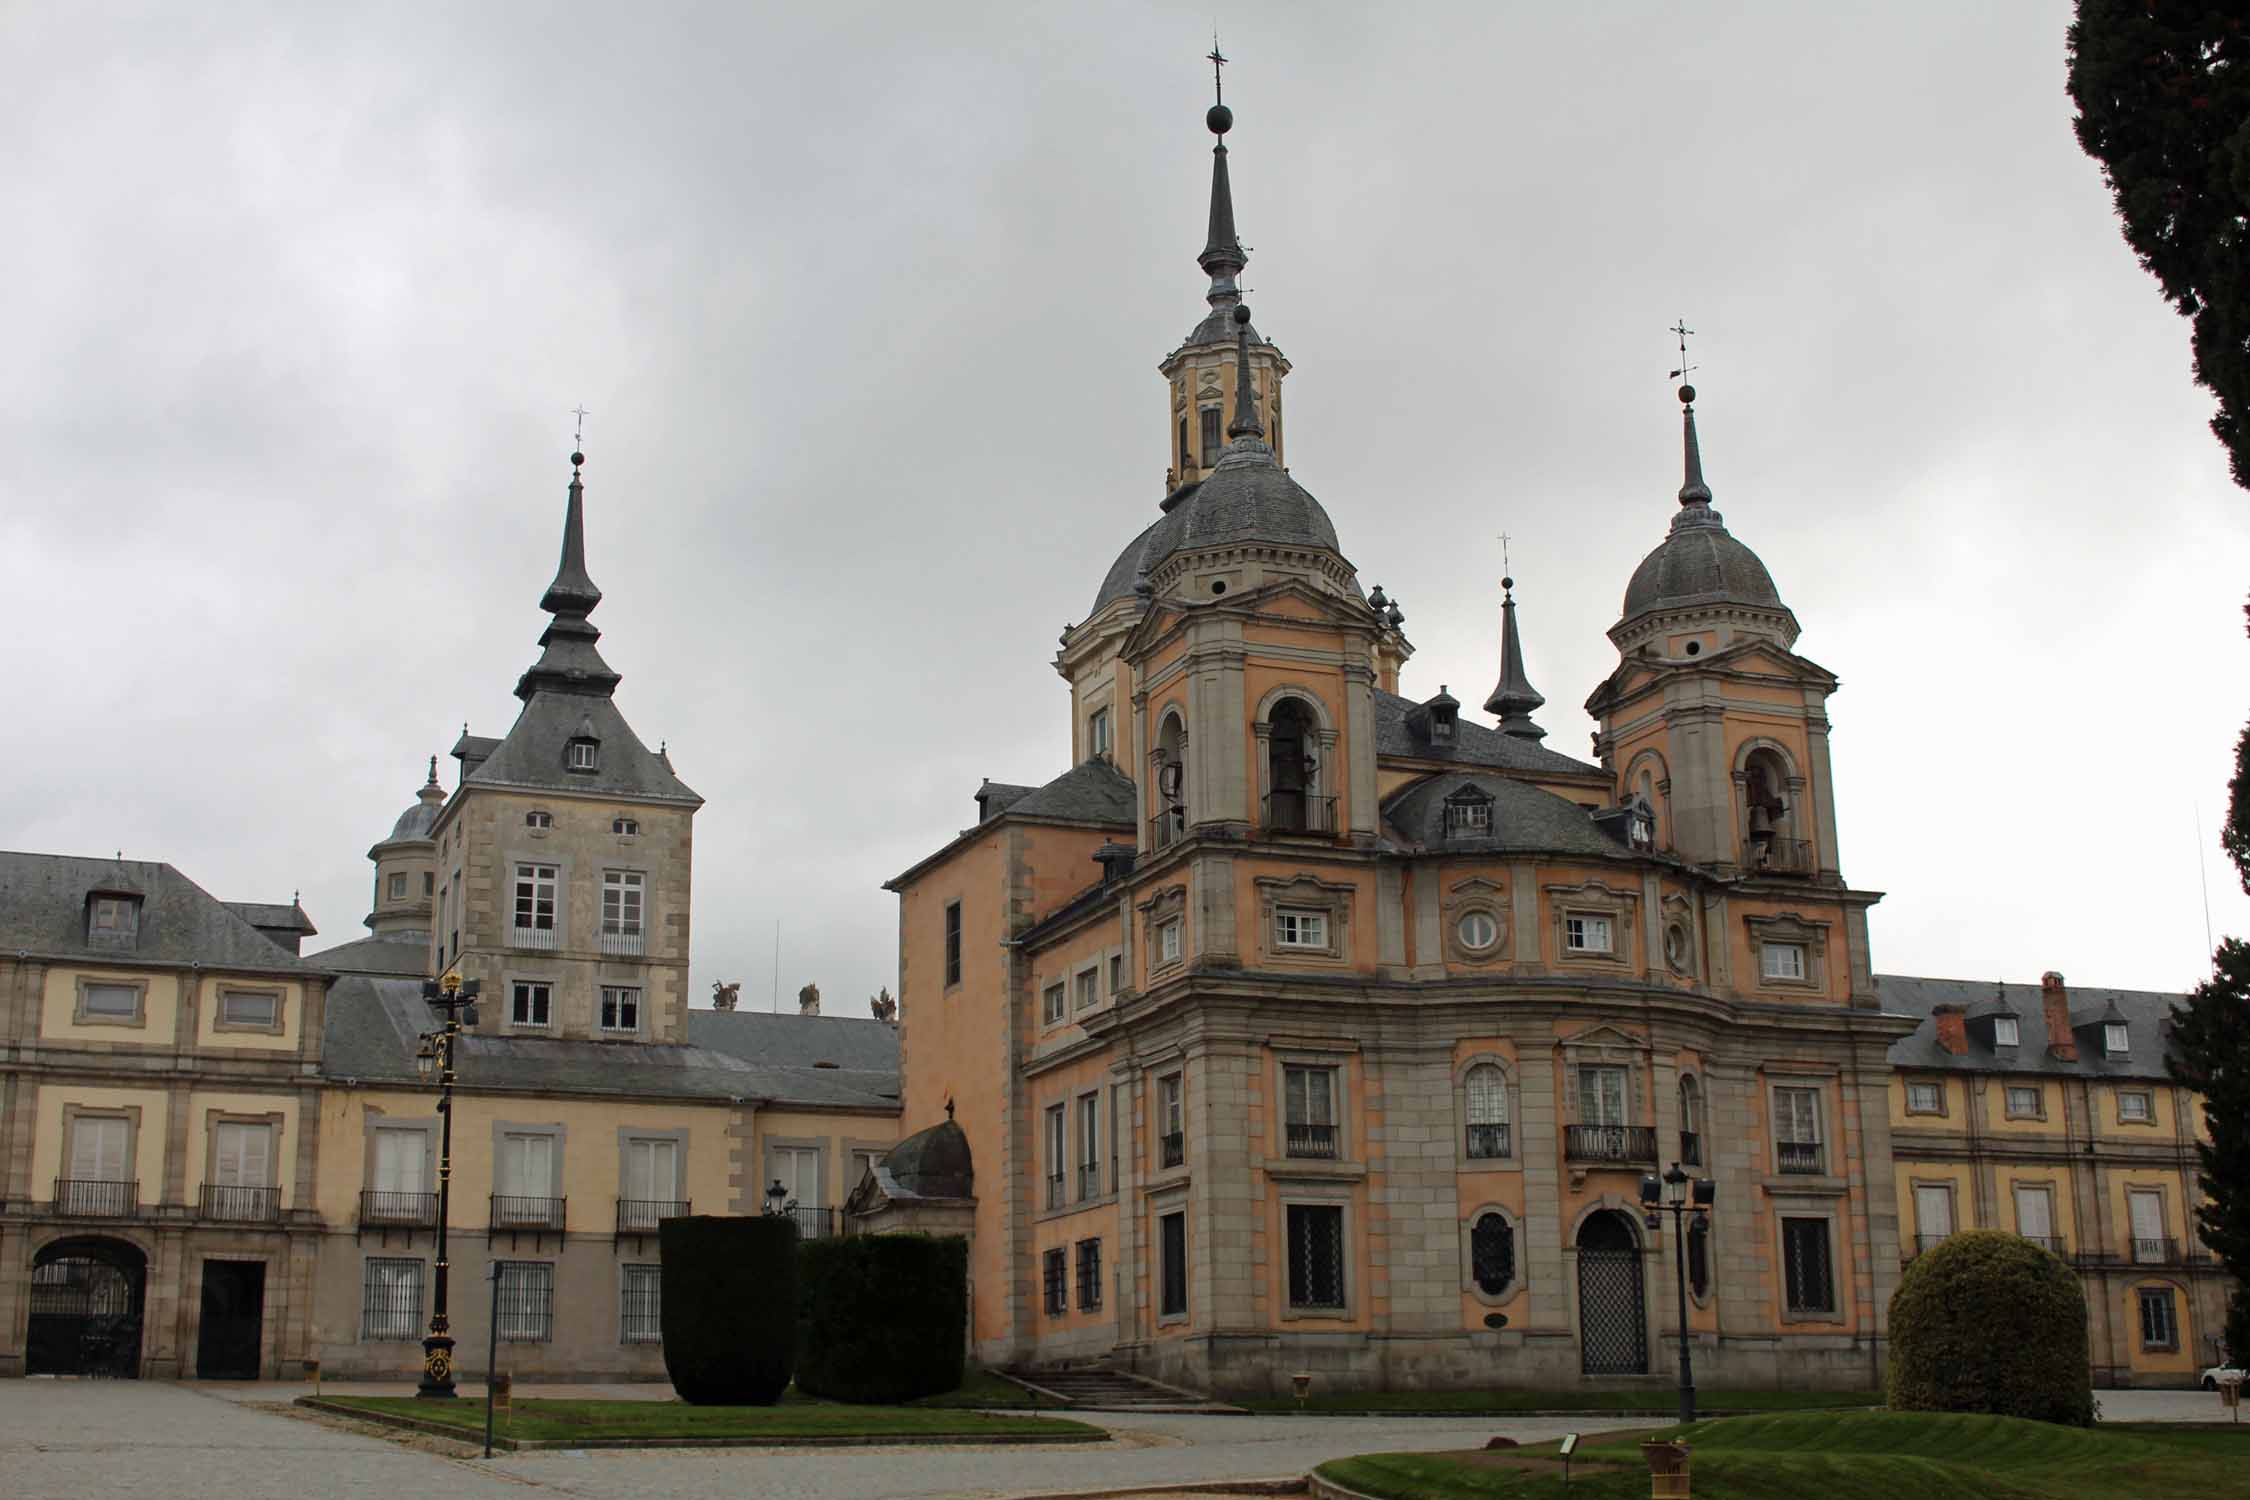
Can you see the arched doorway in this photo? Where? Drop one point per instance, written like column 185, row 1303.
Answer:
column 1612, row 1317
column 86, row 1301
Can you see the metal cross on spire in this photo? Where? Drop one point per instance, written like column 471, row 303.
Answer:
column 1504, row 540
column 1218, row 61
column 1685, row 333
column 578, row 438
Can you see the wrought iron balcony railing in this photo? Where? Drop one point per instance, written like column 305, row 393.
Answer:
column 1299, row 812
column 1171, row 1150
column 641, row 1215
column 1802, row 1157
column 1167, row 828
column 389, row 1210
column 510, row 1211
column 1691, row 1148
column 1488, row 1142
column 815, row 1223
column 1311, row 1140
column 1629, row 1144
column 1089, row 1181
column 91, row 1197
column 241, row 1203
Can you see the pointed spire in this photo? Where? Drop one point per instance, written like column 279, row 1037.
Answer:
column 1514, row 699
column 1245, row 423
column 1223, row 256
column 573, row 592
column 1694, row 491
column 570, row 663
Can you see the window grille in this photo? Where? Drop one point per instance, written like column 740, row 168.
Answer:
column 1811, row 1282
column 532, row 1004
column 953, row 943
column 1054, row 1274
column 1487, row 1090
column 1089, row 1275
column 527, row 1301
column 391, row 1299
column 1173, row 1296
column 1699, row 1262
column 641, row 1314
column 621, row 1008
column 1316, row 1256
column 1492, row 1254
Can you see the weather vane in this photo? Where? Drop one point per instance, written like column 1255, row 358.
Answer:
column 1684, row 332
column 1218, row 61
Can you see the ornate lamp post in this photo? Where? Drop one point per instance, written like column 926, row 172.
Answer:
column 1677, row 1194
column 434, row 1059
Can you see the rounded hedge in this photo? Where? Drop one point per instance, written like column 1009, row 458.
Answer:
column 1990, row 1322
column 729, row 1308
column 885, row 1316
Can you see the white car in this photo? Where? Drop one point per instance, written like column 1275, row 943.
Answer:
column 2219, row 1373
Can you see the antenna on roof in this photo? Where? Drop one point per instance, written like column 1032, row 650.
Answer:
column 2203, row 874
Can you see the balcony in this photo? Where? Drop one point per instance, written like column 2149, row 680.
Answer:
column 621, row 943
column 1617, row 1145
column 1317, row 1141
column 815, row 1223
column 1299, row 812
column 1778, row 856
column 2051, row 1243
column 1691, row 1149
column 2163, row 1251
column 527, row 1215
column 1167, row 828
column 1089, row 1181
column 641, row 1215
column 538, row 939
column 1488, row 1142
column 96, row 1198
column 1171, row 1150
column 1055, row 1190
column 1798, row 1158
column 389, row 1210
column 244, row 1204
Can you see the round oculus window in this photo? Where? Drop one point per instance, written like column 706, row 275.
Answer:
column 1676, row 946
column 1477, row 930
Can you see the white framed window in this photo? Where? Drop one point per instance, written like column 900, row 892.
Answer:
column 622, row 906
column 2024, row 1102
column 1309, row 1111
column 2005, row 1032
column 1097, row 733
column 1585, row 933
column 120, row 1002
column 797, row 1168
column 583, row 755
column 626, row 826
column 1089, row 988
column 398, row 886
column 1485, row 1097
column 1933, row 1213
column 242, row 1155
column 1051, row 1007
column 1781, row 960
column 535, row 898
column 2136, row 1105
column 621, row 1008
column 2035, row 1215
column 651, row 1179
column 257, row 1009
column 1168, row 942
column 2115, row 1039
column 2160, row 1321
column 1797, row 1129
column 1477, row 930
column 538, row 819
column 1296, row 927
column 527, row 1301
column 640, row 1312
column 114, row 916
column 401, row 1167
column 98, row 1148
column 531, row 1002
column 527, row 1176
column 391, row 1299
column 1601, row 1094
column 1924, row 1098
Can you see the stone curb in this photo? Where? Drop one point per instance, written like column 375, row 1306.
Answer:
column 1656, row 1418
column 1282, row 1486
column 475, row 1436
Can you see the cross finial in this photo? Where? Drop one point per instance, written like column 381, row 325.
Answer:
column 1218, row 61
column 1504, row 540
column 1685, row 333
column 578, row 438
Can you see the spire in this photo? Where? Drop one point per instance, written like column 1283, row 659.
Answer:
column 1514, row 698
column 570, row 664
column 1223, row 257
column 1694, row 491
column 1245, row 423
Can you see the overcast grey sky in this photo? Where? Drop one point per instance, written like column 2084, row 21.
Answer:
column 866, row 301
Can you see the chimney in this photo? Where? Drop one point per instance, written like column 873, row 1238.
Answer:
column 2062, row 1045
column 808, row 1000
column 1952, row 1027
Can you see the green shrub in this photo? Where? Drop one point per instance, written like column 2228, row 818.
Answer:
column 885, row 1316
column 1989, row 1322
column 729, row 1308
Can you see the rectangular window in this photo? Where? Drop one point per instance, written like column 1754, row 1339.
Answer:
column 2136, row 1105
column 1797, row 1130
column 1116, row 1132
column 1168, row 942
column 797, row 1169
column 527, row 1301
column 398, row 886
column 584, row 755
column 401, row 1158
column 2160, row 1324
column 531, row 1003
column 429, row 883
column 1924, row 1099
column 1316, row 1256
column 1172, row 1294
column 1584, row 934
column 252, row 1008
column 526, row 1180
column 1089, row 1146
column 241, row 1155
column 1295, row 927
column 1089, row 989
column 97, row 1148
column 622, row 892
column 621, row 1008
column 1055, row 1155
column 1054, row 1272
column 535, row 899
column 952, row 943
column 390, row 1302
column 2115, row 1039
column 1051, row 1003
column 640, row 1312
column 2024, row 1102
column 2145, row 1211
column 1782, row 960
column 2035, row 1217
column 1171, row 1118
column 1811, row 1279
column 1116, row 974
column 114, row 916
column 1933, row 1214
column 1309, row 1101
column 2005, row 1032
column 1212, row 442
column 112, row 1002
column 651, row 1181
column 1601, row 1094
column 1089, row 1275
column 1097, row 733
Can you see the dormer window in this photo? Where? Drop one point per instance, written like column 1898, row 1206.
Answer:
column 583, row 755
column 1445, row 715
column 2004, row 1032
column 113, row 921
column 1468, row 815
column 625, row 826
column 1640, row 825
column 2115, row 1040
column 538, row 820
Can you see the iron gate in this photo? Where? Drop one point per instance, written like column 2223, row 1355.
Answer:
column 1612, row 1316
column 85, row 1318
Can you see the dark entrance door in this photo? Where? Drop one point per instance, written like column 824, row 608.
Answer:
column 1612, row 1321
column 234, row 1307
column 86, row 1298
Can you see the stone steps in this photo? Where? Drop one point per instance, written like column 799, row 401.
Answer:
column 1098, row 1388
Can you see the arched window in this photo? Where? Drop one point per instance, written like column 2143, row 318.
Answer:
column 1699, row 1258
column 1492, row 1254
column 1769, row 822
column 1171, row 781
column 1293, row 771
column 1486, row 1088
column 1691, row 1121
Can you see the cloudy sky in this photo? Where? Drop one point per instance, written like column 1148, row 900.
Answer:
column 865, row 302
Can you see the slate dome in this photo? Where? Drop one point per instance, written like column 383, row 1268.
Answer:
column 1699, row 563
column 416, row 822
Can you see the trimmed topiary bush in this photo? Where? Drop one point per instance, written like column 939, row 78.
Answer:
column 885, row 1316
column 1989, row 1322
column 729, row 1308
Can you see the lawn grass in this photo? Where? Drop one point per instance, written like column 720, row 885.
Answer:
column 1848, row 1456
column 542, row 1420
column 1665, row 1402
column 982, row 1388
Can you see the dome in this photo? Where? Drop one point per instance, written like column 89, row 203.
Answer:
column 1699, row 563
column 415, row 823
column 1248, row 498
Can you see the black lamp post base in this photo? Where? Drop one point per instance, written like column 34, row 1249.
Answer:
column 437, row 1369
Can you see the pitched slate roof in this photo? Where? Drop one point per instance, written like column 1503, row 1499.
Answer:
column 1474, row 744
column 779, row 1040
column 1523, row 818
column 43, row 912
column 1096, row 792
column 385, row 953
column 531, row 755
column 2144, row 1012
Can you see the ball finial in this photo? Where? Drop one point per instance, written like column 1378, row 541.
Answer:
column 1507, row 583
column 578, row 460
column 1220, row 119
column 1687, row 395
column 1241, row 314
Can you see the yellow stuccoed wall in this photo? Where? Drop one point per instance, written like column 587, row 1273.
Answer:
column 202, row 1105
column 208, row 1034
column 160, row 1008
column 48, row 1160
